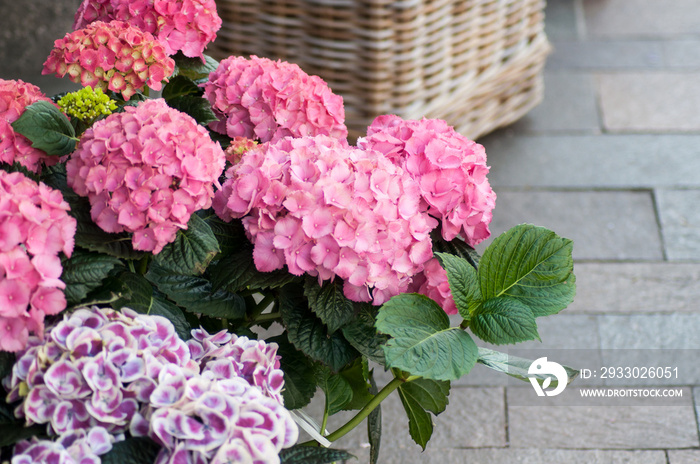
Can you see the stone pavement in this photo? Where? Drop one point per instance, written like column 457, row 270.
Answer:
column 611, row 159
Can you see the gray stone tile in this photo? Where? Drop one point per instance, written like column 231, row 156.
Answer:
column 560, row 19
column 591, row 427
column 603, row 225
column 585, row 161
column 661, row 287
column 569, row 106
column 683, row 456
column 650, row 332
column 641, row 18
column 517, row 456
column 652, row 102
column 683, row 54
column 680, row 223
column 608, row 54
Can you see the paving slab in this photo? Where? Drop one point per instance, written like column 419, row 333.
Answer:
column 561, row 21
column 517, row 456
column 682, row 53
column 683, row 456
column 603, row 225
column 679, row 214
column 640, row 18
column 657, row 287
column 589, row 161
column 650, row 332
column 592, row 427
column 569, row 106
column 650, row 102
column 609, row 54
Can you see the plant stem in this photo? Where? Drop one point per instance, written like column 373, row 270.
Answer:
column 131, row 266
column 267, row 317
column 262, row 306
column 325, row 419
column 143, row 265
column 224, row 323
column 464, row 325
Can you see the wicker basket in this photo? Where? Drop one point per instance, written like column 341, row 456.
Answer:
column 475, row 63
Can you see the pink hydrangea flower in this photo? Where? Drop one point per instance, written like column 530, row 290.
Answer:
column 324, row 208
column 180, row 25
column 114, row 56
column 432, row 282
column 34, row 228
column 146, row 171
column 15, row 96
column 100, row 373
column 449, row 169
column 267, row 100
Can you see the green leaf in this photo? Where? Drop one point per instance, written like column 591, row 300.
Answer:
column 180, row 86
column 359, row 386
column 464, row 283
column 196, row 106
column 162, row 307
column 530, row 264
column 420, row 424
column 16, row 167
column 329, row 303
column 423, row 343
column 301, row 454
column 309, row 334
column 504, row 320
column 236, row 272
column 363, row 335
column 230, row 235
column 456, row 247
column 84, row 272
column 299, row 378
column 111, row 290
column 48, row 129
column 133, row 450
column 336, row 388
column 195, row 294
column 137, row 293
column 374, row 424
column 517, row 367
column 7, row 360
column 12, row 429
column 194, row 68
column 192, row 250
column 429, row 394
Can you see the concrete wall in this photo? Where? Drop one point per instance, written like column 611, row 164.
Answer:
column 28, row 29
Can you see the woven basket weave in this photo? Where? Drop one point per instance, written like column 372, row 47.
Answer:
column 475, row 63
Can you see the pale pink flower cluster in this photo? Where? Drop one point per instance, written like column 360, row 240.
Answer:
column 267, row 100
column 15, row 96
column 180, row 25
column 327, row 209
column 102, row 372
column 449, row 169
column 114, row 56
column 146, row 171
column 75, row 447
column 34, row 228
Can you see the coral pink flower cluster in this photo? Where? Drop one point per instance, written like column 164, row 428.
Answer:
column 99, row 370
column 267, row 100
column 180, row 25
column 34, row 228
column 146, row 171
column 15, row 96
column 114, row 56
column 449, row 169
column 327, row 209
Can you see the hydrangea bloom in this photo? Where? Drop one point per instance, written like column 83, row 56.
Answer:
column 180, row 25
column 237, row 147
column 114, row 56
column 146, row 171
column 432, row 282
column 75, row 447
column 87, row 104
column 15, row 96
column 99, row 369
column 34, row 228
column 449, row 169
column 268, row 100
column 327, row 209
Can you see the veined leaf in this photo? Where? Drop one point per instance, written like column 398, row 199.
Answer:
column 430, row 394
column 194, row 105
column 329, row 303
column 179, row 86
column 84, row 272
column 195, row 68
column 162, row 307
column 336, row 388
column 137, row 293
column 530, row 264
column 423, row 343
column 464, row 283
column 301, row 454
column 47, row 128
column 420, row 424
column 359, row 386
column 192, row 250
column 518, row 367
column 504, row 320
column 236, row 272
column 299, row 378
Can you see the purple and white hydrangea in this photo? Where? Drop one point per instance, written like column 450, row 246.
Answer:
column 99, row 374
